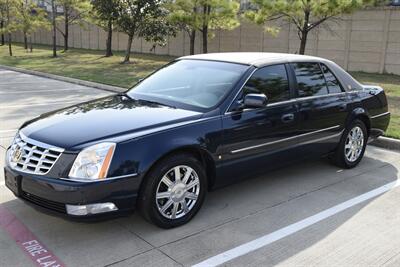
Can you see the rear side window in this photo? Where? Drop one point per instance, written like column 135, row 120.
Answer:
column 310, row 79
column 331, row 81
column 271, row 81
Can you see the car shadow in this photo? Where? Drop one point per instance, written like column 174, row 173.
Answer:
column 229, row 217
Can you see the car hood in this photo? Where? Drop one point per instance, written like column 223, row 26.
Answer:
column 103, row 119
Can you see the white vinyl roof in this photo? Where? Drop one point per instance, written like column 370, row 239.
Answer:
column 253, row 58
column 264, row 59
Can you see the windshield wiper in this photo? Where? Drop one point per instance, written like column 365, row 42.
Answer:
column 158, row 103
column 149, row 101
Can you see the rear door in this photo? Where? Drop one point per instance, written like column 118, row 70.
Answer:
column 322, row 106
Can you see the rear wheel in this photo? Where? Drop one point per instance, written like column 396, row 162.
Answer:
column 173, row 191
column 352, row 145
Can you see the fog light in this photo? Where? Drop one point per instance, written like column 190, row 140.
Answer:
column 81, row 210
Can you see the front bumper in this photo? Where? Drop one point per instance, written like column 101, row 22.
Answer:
column 54, row 194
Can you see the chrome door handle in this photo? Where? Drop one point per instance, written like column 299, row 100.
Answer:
column 287, row 117
column 343, row 107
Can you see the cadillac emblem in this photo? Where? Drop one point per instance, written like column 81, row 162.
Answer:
column 17, row 155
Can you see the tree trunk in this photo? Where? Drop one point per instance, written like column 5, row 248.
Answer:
column 303, row 42
column 53, row 9
column 206, row 13
column 192, row 37
column 10, row 45
column 30, row 44
column 66, row 29
column 205, row 40
column 9, row 33
column 25, row 41
column 128, row 49
column 2, row 34
column 192, row 32
column 109, row 52
column 304, row 32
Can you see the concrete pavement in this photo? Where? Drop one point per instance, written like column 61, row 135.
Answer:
column 364, row 234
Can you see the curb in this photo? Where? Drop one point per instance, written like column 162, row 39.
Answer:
column 105, row 87
column 386, row 142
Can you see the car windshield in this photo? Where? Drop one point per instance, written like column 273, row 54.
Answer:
column 198, row 83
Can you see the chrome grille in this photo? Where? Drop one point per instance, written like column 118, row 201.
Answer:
column 27, row 155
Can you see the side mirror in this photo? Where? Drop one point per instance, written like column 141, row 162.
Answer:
column 255, row 101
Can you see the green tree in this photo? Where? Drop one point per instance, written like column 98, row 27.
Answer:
column 304, row 14
column 185, row 15
column 28, row 19
column 2, row 21
column 143, row 18
column 217, row 14
column 104, row 14
column 204, row 16
column 74, row 12
column 8, row 11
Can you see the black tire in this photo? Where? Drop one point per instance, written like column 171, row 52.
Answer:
column 339, row 158
column 148, row 205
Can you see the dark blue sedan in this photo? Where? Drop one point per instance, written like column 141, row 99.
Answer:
column 196, row 124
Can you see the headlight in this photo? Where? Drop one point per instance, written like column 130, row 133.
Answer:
column 93, row 162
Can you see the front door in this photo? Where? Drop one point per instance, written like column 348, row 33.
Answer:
column 259, row 139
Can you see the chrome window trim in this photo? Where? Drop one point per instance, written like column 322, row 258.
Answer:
column 380, row 115
column 282, row 102
column 322, row 96
column 319, row 96
column 334, row 75
column 283, row 140
column 296, row 99
column 292, row 100
column 240, row 89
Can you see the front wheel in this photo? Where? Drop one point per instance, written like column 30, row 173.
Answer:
column 173, row 191
column 352, row 145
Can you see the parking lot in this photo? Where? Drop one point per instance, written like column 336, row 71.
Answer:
column 311, row 213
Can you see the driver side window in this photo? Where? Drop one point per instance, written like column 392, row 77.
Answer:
column 271, row 81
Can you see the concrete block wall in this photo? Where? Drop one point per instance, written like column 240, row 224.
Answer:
column 368, row 40
column 392, row 55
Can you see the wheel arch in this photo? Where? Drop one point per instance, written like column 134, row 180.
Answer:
column 199, row 153
column 362, row 115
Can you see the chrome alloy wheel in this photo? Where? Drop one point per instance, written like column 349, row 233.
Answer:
column 354, row 144
column 177, row 192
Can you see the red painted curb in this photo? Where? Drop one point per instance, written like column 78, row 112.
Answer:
column 27, row 241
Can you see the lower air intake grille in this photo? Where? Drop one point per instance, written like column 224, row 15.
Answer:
column 52, row 205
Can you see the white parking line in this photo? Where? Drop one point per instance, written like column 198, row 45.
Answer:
column 293, row 228
column 2, row 183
